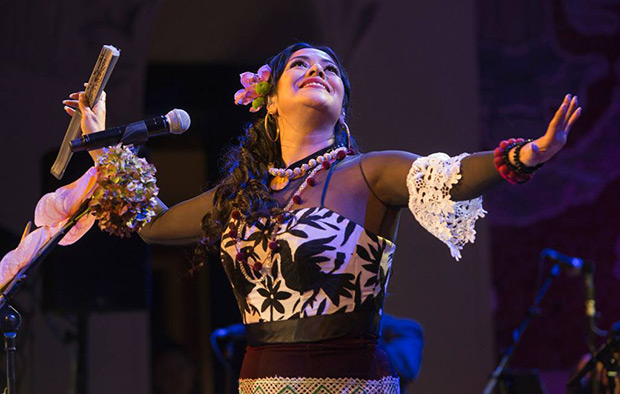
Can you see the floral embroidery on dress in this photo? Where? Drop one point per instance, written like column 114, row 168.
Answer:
column 324, row 264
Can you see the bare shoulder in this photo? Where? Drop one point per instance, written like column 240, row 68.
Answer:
column 386, row 173
column 378, row 164
column 389, row 157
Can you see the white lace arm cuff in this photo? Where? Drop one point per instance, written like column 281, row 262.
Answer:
column 429, row 182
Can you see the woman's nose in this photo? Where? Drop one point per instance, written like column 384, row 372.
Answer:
column 316, row 70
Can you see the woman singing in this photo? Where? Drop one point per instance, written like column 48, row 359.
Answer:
column 305, row 224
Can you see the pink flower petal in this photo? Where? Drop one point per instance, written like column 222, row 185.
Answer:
column 239, row 96
column 64, row 202
column 248, row 78
column 252, row 93
column 32, row 243
column 80, row 228
column 264, row 72
column 5, row 275
column 245, row 96
column 16, row 259
column 242, row 97
column 48, row 210
column 80, row 190
column 15, row 264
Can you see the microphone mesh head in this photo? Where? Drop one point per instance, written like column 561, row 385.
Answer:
column 179, row 121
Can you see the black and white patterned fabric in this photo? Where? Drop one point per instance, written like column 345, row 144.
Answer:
column 325, row 264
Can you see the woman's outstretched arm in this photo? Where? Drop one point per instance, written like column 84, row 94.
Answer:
column 387, row 171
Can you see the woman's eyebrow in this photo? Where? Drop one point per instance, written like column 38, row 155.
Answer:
column 304, row 57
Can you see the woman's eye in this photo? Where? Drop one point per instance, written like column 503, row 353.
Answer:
column 297, row 63
column 333, row 69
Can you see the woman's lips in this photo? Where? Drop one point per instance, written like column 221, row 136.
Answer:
column 315, row 83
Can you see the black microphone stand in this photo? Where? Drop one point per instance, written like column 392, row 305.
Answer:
column 10, row 319
column 590, row 311
column 590, row 306
column 534, row 310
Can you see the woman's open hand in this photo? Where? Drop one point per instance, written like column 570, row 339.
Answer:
column 93, row 119
column 544, row 148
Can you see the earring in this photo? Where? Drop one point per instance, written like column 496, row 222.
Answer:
column 345, row 127
column 267, row 128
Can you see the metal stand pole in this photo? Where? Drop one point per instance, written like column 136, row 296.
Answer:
column 10, row 320
column 534, row 310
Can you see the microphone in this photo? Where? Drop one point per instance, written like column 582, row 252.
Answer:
column 586, row 268
column 553, row 255
column 176, row 121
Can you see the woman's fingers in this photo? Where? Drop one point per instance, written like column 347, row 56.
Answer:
column 83, row 103
column 70, row 111
column 574, row 103
column 73, row 100
column 545, row 147
column 80, row 97
column 558, row 118
column 99, row 105
column 70, row 103
column 93, row 118
column 573, row 119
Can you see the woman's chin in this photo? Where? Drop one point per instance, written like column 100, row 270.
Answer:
column 313, row 106
column 320, row 102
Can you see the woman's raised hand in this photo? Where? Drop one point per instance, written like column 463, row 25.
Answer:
column 93, row 119
column 545, row 147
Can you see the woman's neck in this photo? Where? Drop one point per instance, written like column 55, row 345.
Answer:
column 297, row 143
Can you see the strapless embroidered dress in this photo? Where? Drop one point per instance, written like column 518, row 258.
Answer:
column 313, row 318
column 327, row 281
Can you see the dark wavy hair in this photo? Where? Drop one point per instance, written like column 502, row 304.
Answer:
column 244, row 185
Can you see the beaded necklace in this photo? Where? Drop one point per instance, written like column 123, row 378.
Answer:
column 281, row 176
column 263, row 267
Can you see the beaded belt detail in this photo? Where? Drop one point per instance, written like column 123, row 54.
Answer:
column 386, row 385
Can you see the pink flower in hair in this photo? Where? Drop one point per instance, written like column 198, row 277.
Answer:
column 255, row 88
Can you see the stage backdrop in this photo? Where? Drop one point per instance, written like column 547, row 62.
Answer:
column 531, row 53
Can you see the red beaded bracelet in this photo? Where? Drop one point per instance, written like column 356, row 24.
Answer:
column 513, row 174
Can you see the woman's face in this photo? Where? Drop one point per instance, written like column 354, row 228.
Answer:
column 310, row 79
